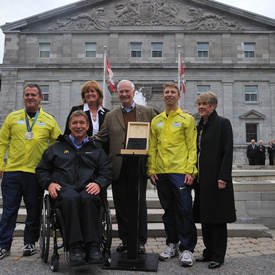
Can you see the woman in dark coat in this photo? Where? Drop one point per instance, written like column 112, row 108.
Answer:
column 271, row 152
column 214, row 203
column 92, row 97
column 261, row 153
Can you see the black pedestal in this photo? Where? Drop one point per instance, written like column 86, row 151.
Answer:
column 144, row 262
column 132, row 260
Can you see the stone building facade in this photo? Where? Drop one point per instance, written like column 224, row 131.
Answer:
column 224, row 49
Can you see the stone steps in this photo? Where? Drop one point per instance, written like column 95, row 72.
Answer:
column 157, row 230
column 155, row 225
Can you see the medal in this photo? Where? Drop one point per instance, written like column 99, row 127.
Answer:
column 29, row 136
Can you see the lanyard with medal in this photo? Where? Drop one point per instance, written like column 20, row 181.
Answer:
column 29, row 135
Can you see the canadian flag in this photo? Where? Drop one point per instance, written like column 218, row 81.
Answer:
column 182, row 78
column 111, row 77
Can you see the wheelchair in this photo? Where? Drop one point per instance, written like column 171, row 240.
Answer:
column 52, row 224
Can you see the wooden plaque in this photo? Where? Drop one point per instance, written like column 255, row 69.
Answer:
column 137, row 138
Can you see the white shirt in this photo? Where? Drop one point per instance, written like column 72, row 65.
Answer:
column 96, row 121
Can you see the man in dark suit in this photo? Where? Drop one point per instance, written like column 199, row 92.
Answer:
column 113, row 131
column 251, row 153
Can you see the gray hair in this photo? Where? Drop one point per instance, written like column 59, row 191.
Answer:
column 209, row 97
column 125, row 80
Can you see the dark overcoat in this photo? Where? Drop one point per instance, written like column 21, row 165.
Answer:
column 214, row 205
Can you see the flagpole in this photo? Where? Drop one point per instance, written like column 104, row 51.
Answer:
column 179, row 71
column 104, row 78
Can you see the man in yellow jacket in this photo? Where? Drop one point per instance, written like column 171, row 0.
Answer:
column 25, row 134
column 172, row 168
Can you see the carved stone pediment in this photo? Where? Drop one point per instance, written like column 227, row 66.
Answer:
column 205, row 15
column 152, row 13
column 83, row 21
column 252, row 115
column 146, row 13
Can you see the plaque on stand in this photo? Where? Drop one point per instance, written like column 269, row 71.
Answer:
column 137, row 138
column 136, row 149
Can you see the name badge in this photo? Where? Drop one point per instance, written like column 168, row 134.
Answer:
column 177, row 125
column 21, row 122
column 160, row 124
column 40, row 124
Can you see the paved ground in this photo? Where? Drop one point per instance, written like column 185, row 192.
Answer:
column 244, row 256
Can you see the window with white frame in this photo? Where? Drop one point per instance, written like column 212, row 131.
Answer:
column 90, row 50
column 249, row 50
column 44, row 50
column 251, row 93
column 203, row 89
column 157, row 49
column 45, row 89
column 251, row 131
column 203, row 49
column 136, row 49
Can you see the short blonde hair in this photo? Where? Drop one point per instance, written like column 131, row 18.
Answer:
column 174, row 85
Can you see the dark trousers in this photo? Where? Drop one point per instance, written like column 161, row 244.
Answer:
column 81, row 215
column 120, row 188
column 215, row 241
column 252, row 161
column 271, row 160
column 176, row 200
column 16, row 185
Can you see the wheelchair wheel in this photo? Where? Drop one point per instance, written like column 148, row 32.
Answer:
column 54, row 263
column 45, row 229
column 106, row 232
column 107, row 258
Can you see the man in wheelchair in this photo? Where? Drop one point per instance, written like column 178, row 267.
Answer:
column 75, row 171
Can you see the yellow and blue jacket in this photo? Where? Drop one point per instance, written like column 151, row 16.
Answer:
column 23, row 154
column 172, row 144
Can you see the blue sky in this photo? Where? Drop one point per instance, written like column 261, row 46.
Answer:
column 18, row 9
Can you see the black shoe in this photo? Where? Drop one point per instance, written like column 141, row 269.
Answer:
column 76, row 255
column 213, row 265
column 202, row 259
column 121, row 248
column 141, row 249
column 93, row 255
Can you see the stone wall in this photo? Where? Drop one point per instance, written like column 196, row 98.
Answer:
column 255, row 196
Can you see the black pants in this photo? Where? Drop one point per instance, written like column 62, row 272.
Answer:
column 81, row 215
column 120, row 188
column 215, row 241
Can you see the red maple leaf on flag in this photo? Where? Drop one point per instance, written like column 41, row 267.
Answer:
column 111, row 77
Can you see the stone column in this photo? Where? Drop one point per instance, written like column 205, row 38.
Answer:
column 272, row 108
column 18, row 96
column 227, row 100
column 67, row 48
column 65, row 102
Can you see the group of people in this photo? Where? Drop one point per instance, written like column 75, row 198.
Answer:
column 256, row 153
column 76, row 170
